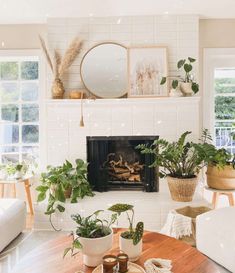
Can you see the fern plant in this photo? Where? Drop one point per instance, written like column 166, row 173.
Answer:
column 133, row 233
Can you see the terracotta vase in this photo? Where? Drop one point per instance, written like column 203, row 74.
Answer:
column 57, row 89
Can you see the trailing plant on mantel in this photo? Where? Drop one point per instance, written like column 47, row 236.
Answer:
column 136, row 233
column 63, row 183
column 59, row 65
column 187, row 66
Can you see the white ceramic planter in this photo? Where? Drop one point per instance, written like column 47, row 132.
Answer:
column 133, row 251
column 186, row 88
column 175, row 93
column 94, row 249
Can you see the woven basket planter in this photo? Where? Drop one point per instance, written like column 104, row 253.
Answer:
column 182, row 189
column 221, row 179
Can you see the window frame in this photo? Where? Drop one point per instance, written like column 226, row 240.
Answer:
column 213, row 58
column 11, row 53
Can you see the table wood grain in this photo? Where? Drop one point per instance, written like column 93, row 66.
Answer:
column 48, row 256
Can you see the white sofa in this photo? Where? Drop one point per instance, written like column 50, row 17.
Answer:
column 216, row 236
column 12, row 220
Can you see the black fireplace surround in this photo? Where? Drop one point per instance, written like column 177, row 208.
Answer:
column 116, row 164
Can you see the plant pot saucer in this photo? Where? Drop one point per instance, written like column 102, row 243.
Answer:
column 132, row 268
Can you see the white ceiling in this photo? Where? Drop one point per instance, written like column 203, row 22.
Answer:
column 37, row 11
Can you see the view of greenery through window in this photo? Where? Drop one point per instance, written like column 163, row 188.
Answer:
column 19, row 108
column 225, row 108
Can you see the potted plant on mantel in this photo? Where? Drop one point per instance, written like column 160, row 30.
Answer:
column 63, row 183
column 93, row 237
column 180, row 161
column 130, row 241
column 187, row 84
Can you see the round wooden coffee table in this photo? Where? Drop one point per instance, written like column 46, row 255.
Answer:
column 48, row 257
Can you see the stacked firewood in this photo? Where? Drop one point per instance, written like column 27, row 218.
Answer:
column 121, row 170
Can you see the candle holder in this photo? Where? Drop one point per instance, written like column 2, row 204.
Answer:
column 109, row 264
column 122, row 262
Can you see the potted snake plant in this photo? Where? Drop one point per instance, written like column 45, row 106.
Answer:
column 130, row 241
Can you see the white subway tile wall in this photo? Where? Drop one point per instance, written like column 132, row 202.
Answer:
column 178, row 33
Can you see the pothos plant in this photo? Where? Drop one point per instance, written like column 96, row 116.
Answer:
column 61, row 183
column 89, row 227
column 187, row 66
column 134, row 233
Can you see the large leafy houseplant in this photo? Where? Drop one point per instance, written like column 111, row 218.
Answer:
column 90, row 231
column 185, row 65
column 180, row 161
column 61, row 183
column 130, row 240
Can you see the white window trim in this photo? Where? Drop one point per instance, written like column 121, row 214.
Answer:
column 42, row 90
column 212, row 58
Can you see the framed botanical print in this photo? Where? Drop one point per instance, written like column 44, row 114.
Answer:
column 146, row 67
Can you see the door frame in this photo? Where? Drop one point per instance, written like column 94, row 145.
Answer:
column 212, row 58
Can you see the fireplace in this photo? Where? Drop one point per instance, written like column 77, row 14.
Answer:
column 116, row 164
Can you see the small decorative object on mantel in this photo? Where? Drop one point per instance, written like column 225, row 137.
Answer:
column 131, row 240
column 147, row 65
column 75, row 94
column 59, row 65
column 186, row 84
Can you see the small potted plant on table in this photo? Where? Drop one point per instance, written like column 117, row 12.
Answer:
column 130, row 241
column 93, row 237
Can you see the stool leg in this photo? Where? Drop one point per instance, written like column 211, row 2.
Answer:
column 215, row 199
column 231, row 199
column 2, row 190
column 28, row 194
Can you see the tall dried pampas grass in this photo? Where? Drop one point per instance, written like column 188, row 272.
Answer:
column 60, row 65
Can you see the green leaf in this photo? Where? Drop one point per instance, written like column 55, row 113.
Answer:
column 60, row 208
column 175, row 84
column 41, row 196
column 180, row 63
column 188, row 68
column 66, row 251
column 163, row 81
column 42, row 188
column 138, row 234
column 195, row 87
column 119, row 208
column 77, row 244
column 192, row 60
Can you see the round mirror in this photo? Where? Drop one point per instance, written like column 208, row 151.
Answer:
column 104, row 70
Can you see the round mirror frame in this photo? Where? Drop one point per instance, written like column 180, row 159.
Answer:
column 83, row 58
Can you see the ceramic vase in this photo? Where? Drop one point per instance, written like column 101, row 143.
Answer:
column 186, row 88
column 133, row 251
column 57, row 89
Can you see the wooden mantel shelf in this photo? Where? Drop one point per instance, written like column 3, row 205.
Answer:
column 125, row 100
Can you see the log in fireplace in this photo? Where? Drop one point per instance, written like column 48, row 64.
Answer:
column 116, row 164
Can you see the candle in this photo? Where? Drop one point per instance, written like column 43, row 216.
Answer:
column 122, row 262
column 109, row 263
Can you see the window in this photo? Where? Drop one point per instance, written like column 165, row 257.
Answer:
column 19, row 108
column 219, row 95
column 224, row 88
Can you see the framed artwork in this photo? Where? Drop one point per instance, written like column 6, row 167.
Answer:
column 146, row 67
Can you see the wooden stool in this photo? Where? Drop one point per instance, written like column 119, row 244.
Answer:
column 13, row 183
column 217, row 193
